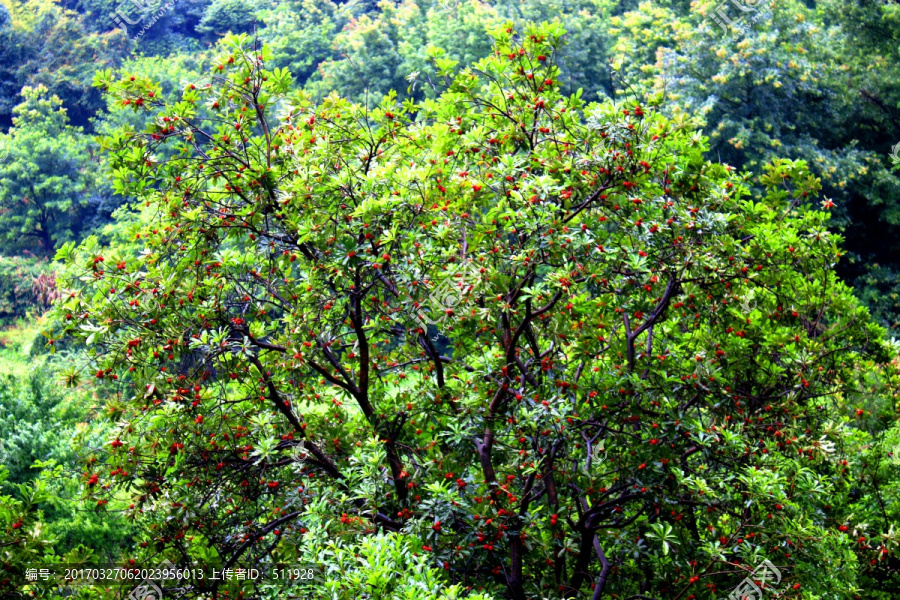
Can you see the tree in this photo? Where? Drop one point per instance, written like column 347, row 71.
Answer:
column 300, row 33
column 223, row 16
column 45, row 178
column 552, row 345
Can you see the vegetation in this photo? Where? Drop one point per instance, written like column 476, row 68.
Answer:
column 452, row 299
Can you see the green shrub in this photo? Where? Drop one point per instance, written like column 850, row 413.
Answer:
column 27, row 286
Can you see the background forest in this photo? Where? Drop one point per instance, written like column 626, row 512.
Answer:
column 816, row 81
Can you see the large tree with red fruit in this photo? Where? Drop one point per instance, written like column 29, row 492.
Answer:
column 550, row 343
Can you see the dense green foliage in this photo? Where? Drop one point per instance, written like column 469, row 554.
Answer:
column 663, row 251
column 42, row 436
column 645, row 383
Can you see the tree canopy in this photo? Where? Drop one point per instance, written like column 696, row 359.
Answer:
column 548, row 346
column 44, row 176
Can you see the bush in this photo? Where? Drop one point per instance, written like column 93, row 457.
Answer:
column 26, row 285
